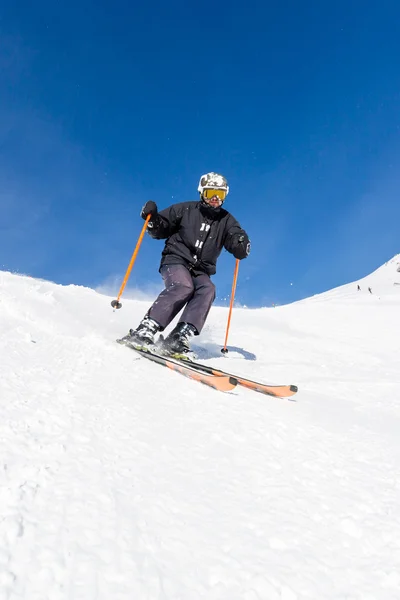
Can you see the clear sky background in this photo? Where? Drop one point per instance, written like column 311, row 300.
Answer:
column 104, row 105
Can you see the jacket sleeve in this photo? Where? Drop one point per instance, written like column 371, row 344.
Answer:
column 165, row 223
column 236, row 240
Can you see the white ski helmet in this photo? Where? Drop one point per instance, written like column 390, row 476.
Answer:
column 213, row 181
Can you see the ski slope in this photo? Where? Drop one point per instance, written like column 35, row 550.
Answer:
column 122, row 480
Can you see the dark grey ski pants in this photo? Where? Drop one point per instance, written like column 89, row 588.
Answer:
column 181, row 287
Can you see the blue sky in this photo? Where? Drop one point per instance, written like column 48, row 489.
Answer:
column 104, row 105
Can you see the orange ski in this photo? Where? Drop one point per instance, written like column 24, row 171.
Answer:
column 279, row 391
column 222, row 383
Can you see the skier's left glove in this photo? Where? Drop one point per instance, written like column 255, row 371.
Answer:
column 243, row 246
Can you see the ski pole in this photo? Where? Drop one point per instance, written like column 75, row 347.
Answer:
column 224, row 350
column 116, row 303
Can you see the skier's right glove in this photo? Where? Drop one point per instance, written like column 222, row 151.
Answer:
column 150, row 208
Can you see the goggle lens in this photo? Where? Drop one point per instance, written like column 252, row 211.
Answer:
column 209, row 193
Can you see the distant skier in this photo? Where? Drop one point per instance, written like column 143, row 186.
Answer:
column 195, row 233
column 358, row 288
column 370, row 291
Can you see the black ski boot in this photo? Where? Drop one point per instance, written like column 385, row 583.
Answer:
column 177, row 342
column 143, row 335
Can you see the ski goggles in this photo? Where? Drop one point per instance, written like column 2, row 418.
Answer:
column 209, row 193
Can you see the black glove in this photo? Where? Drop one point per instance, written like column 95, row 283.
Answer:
column 244, row 243
column 240, row 246
column 150, row 208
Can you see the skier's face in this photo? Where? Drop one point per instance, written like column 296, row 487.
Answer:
column 215, row 202
column 214, row 197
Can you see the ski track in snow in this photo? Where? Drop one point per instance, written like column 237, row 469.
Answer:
column 120, row 479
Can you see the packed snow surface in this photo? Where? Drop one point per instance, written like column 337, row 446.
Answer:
column 120, row 479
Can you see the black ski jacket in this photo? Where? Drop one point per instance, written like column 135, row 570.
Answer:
column 196, row 235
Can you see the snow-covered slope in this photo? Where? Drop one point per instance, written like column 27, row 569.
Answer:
column 385, row 281
column 122, row 480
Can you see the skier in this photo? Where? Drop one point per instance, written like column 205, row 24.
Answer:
column 195, row 233
column 370, row 291
column 358, row 288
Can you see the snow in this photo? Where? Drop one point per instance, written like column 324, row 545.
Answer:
column 122, row 480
